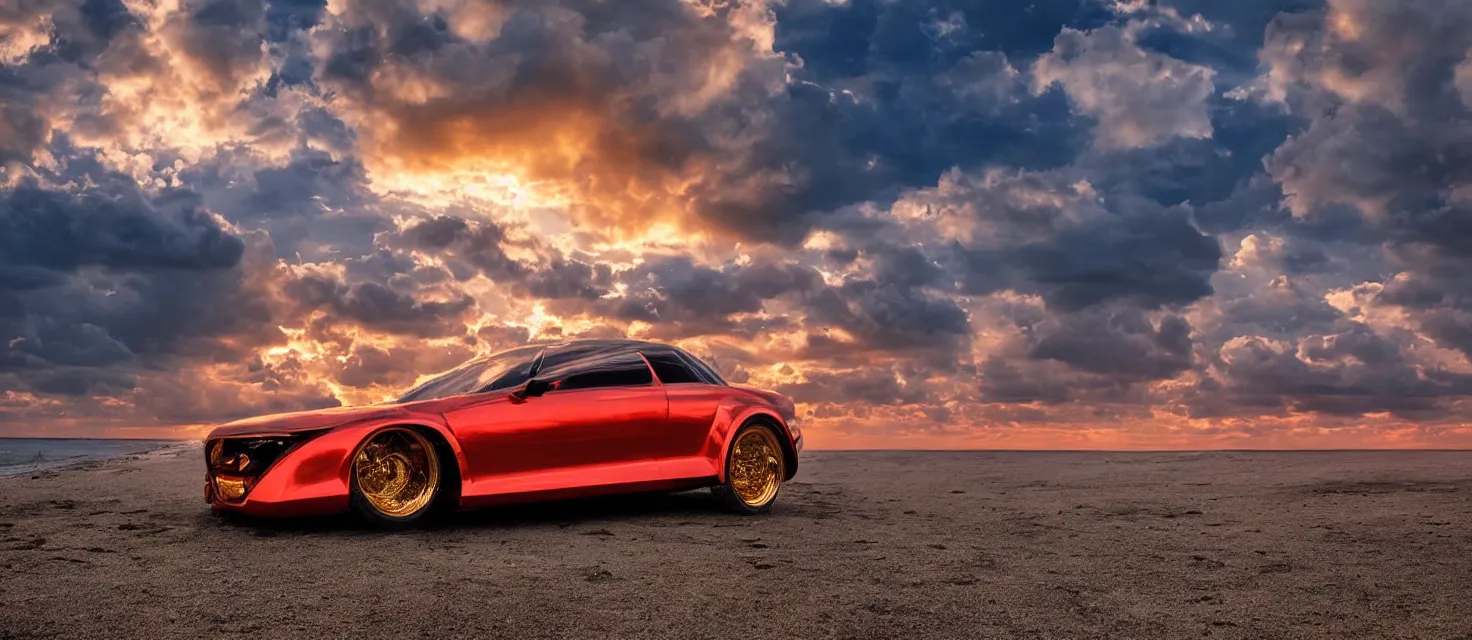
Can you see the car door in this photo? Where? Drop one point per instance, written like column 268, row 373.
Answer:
column 693, row 403
column 598, row 424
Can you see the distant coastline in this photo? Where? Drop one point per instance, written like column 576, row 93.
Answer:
column 92, row 438
column 20, row 456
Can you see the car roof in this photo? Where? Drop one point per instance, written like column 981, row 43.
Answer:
column 574, row 348
column 558, row 355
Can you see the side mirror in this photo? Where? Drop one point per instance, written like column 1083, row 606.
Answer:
column 532, row 388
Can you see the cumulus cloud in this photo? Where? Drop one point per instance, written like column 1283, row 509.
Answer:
column 1387, row 137
column 115, row 226
column 641, row 113
column 1054, row 235
column 1140, row 98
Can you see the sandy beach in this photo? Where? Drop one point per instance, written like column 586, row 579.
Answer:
column 860, row 545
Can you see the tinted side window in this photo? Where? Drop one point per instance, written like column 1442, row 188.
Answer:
column 622, row 370
column 702, row 369
column 512, row 378
column 670, row 369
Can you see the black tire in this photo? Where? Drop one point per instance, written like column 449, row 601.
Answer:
column 730, row 493
column 426, row 502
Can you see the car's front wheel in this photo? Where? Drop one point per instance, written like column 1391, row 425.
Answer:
column 396, row 477
column 755, row 467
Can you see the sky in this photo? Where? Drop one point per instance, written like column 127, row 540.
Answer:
column 1112, row 224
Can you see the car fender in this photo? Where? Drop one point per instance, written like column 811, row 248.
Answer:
column 367, row 429
column 319, row 471
column 729, row 419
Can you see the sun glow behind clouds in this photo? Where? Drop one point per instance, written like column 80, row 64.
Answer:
column 485, row 186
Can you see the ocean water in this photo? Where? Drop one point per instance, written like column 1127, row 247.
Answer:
column 26, row 455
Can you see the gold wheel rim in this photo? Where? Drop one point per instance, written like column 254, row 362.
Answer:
column 397, row 471
column 756, row 467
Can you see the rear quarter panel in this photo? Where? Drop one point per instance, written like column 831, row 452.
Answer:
column 741, row 405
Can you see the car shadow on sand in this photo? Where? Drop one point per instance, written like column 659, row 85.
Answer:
column 645, row 508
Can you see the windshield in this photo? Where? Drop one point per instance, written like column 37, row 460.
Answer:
column 486, row 373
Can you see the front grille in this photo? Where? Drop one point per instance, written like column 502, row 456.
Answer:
column 235, row 464
column 247, row 457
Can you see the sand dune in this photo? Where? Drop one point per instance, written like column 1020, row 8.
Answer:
column 862, row 545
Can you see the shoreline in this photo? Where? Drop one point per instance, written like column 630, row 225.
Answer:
column 81, row 460
column 96, row 438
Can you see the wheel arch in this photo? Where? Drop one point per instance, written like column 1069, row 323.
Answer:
column 447, row 447
column 770, row 419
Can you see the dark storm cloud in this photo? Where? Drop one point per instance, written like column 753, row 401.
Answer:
column 477, row 244
column 1235, row 35
column 1006, row 382
column 377, row 307
column 1041, row 235
column 1202, row 171
column 472, row 247
column 1101, row 355
column 853, row 39
column 106, row 285
column 304, row 186
column 1283, row 348
column 284, row 16
column 1350, row 373
column 919, row 89
column 81, row 381
column 369, row 365
column 45, row 234
column 885, row 317
column 1122, row 343
column 1388, row 135
column 136, row 313
column 676, row 290
column 312, row 198
column 1152, row 259
column 566, row 278
column 1439, row 295
column 875, row 385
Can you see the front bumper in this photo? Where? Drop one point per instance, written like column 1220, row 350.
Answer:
column 263, row 502
column 308, row 479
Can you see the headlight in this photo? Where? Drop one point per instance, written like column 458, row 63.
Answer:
column 230, row 488
column 247, row 456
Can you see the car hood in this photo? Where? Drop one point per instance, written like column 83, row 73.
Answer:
column 298, row 421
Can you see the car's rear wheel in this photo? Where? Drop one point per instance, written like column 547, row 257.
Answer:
column 396, row 477
column 755, row 467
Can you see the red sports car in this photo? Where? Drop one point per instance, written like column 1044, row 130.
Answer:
column 575, row 419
